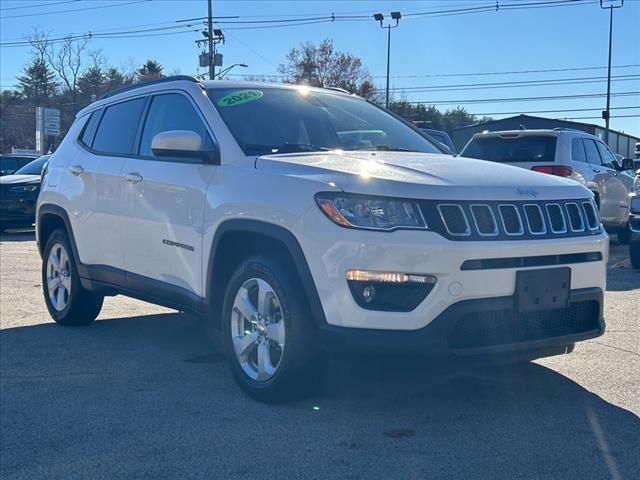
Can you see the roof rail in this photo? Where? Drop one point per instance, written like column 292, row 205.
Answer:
column 338, row 89
column 568, row 128
column 172, row 78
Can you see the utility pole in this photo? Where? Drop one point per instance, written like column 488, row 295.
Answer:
column 212, row 68
column 606, row 114
column 378, row 17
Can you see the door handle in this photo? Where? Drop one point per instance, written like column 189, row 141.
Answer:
column 132, row 177
column 76, row 170
column 597, row 170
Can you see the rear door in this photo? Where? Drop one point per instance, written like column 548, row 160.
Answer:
column 162, row 231
column 96, row 184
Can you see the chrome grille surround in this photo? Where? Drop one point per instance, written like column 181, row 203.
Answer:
column 467, row 230
column 479, row 220
column 560, row 213
column 573, row 206
column 474, row 214
column 540, row 218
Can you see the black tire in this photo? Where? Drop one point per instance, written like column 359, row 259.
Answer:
column 82, row 306
column 634, row 254
column 624, row 234
column 299, row 358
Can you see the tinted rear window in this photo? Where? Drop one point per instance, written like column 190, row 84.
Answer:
column 117, row 130
column 509, row 150
column 89, row 128
column 33, row 168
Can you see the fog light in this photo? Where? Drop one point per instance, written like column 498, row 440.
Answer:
column 369, row 293
column 389, row 291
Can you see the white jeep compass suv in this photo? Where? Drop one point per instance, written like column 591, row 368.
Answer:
column 296, row 218
column 566, row 153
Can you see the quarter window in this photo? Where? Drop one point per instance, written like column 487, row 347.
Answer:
column 577, row 150
column 118, row 127
column 591, row 150
column 89, row 127
column 171, row 112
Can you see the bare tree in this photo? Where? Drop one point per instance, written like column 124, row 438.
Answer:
column 67, row 60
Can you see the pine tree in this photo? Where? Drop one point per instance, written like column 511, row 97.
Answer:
column 38, row 83
column 150, row 69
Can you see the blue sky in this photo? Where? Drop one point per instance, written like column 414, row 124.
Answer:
column 423, row 46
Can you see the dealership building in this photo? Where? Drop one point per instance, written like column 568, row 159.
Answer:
column 620, row 142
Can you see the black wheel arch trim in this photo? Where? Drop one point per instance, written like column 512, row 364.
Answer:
column 289, row 241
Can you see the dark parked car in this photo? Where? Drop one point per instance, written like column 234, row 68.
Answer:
column 10, row 163
column 18, row 195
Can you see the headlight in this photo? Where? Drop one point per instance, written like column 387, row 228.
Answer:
column 375, row 213
column 636, row 183
column 24, row 189
column 635, row 204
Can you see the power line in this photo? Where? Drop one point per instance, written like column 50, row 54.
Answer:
column 38, row 5
column 486, row 114
column 526, row 83
column 75, row 9
column 520, row 99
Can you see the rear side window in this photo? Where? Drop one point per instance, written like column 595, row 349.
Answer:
column 89, row 127
column 577, row 150
column 592, row 152
column 171, row 112
column 507, row 149
column 117, row 130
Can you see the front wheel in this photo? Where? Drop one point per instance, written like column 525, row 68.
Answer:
column 68, row 303
column 267, row 331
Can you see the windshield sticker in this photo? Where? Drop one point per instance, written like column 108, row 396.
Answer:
column 239, row 97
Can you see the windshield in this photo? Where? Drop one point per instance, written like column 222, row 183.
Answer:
column 281, row 120
column 33, row 168
column 506, row 149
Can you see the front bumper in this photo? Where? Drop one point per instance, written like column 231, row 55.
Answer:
column 331, row 251
column 485, row 327
column 18, row 210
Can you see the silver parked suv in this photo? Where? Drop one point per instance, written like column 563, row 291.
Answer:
column 566, row 153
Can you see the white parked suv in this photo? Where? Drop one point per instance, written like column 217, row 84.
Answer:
column 566, row 153
column 261, row 208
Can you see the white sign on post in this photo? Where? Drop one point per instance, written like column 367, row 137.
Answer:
column 51, row 121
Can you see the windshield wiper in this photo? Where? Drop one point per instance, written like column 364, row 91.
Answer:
column 287, row 148
column 388, row 148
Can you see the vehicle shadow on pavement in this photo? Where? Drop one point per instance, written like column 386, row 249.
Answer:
column 622, row 279
column 149, row 397
column 18, row 236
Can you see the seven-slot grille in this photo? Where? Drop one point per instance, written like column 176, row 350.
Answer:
column 478, row 220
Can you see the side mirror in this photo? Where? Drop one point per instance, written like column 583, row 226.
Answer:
column 183, row 144
column 615, row 163
column 627, row 163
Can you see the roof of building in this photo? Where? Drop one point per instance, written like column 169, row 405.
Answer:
column 523, row 118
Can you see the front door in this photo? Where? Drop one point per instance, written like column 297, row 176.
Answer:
column 162, row 233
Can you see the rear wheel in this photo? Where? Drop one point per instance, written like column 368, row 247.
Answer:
column 624, row 234
column 68, row 303
column 267, row 331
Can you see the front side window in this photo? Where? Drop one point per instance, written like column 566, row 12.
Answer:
column 171, row 112
column 511, row 149
column 281, row 120
column 607, row 157
column 591, row 150
column 577, row 150
column 117, row 130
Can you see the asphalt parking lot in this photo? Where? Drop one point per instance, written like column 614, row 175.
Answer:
column 143, row 393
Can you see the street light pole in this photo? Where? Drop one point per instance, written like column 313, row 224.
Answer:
column 378, row 17
column 607, row 113
column 222, row 73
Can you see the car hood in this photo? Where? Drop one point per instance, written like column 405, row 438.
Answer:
column 422, row 175
column 19, row 179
